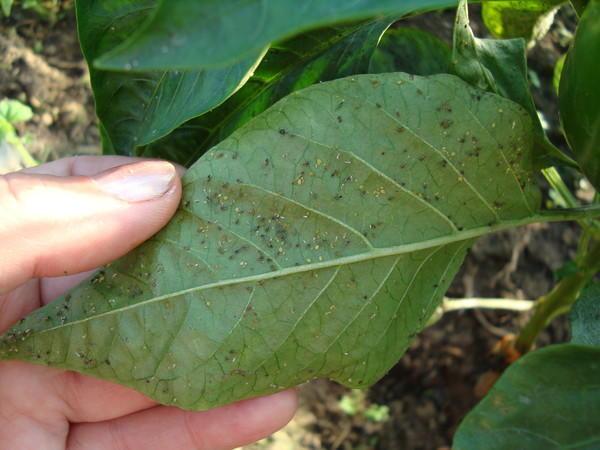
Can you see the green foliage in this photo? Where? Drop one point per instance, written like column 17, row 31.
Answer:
column 48, row 10
column 352, row 201
column 313, row 57
column 500, row 66
column 13, row 111
column 356, row 403
column 528, row 19
column 579, row 96
column 412, row 51
column 137, row 108
column 547, row 400
column 224, row 32
column 558, row 67
column 6, row 6
column 585, row 316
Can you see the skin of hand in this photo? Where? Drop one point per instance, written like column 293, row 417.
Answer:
column 58, row 222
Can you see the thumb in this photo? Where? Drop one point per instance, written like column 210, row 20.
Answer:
column 53, row 226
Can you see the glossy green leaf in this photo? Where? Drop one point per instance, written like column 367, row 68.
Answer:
column 187, row 35
column 310, row 58
column 528, row 19
column 547, row 400
column 500, row 66
column 410, row 50
column 136, row 108
column 315, row 241
column 585, row 316
column 579, row 96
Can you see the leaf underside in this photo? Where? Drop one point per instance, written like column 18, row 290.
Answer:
column 314, row 242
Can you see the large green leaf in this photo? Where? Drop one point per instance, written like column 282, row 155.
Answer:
column 547, row 400
column 314, row 242
column 500, row 66
column 410, row 50
column 585, row 316
column 187, row 34
column 136, row 108
column 313, row 57
column 528, row 19
column 579, row 96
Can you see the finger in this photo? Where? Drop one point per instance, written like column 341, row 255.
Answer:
column 164, row 428
column 55, row 226
column 18, row 303
column 21, row 432
column 87, row 165
column 53, row 287
column 65, row 394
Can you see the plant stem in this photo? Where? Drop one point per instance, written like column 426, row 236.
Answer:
column 565, row 196
column 452, row 304
column 559, row 299
column 579, row 6
column 455, row 304
column 557, row 183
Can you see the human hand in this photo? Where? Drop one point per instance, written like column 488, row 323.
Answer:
column 58, row 221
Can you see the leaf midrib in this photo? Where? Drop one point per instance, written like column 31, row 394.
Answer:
column 380, row 252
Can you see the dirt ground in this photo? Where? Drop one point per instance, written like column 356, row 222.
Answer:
column 449, row 366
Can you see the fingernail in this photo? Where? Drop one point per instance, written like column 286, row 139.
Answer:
column 139, row 182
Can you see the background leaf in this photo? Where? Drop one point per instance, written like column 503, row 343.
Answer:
column 310, row 58
column 315, row 241
column 13, row 111
column 585, row 316
column 558, row 67
column 410, row 50
column 579, row 96
column 136, row 108
column 6, row 7
column 519, row 18
column 500, row 66
column 226, row 31
column 549, row 399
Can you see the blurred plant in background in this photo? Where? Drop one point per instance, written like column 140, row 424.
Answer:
column 13, row 153
column 50, row 10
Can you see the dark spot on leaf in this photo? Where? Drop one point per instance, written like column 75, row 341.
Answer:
column 446, row 123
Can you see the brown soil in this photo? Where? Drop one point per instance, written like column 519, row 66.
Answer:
column 449, row 366
column 42, row 66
